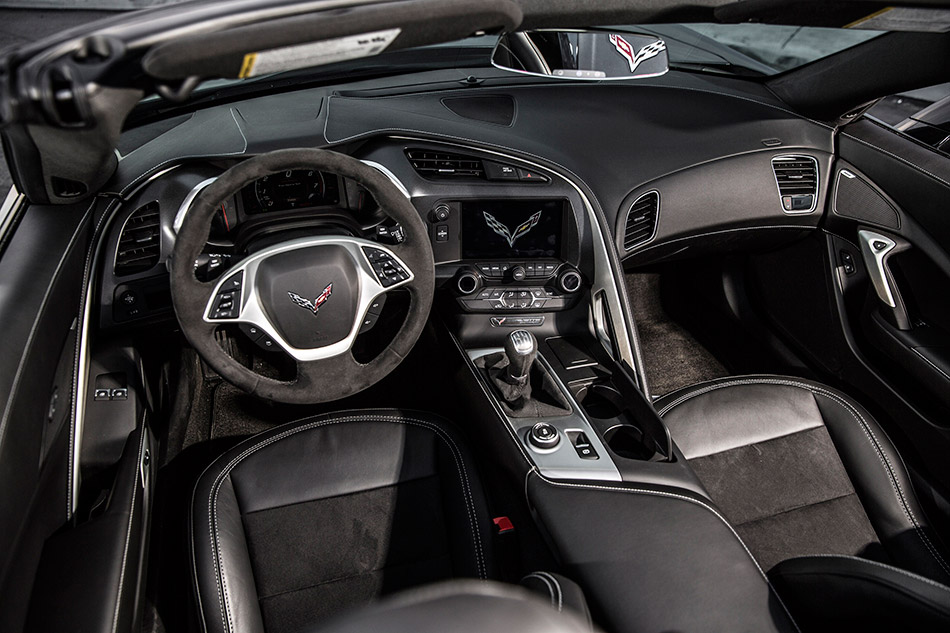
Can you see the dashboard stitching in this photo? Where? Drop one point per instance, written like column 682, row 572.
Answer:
column 896, row 157
column 868, row 432
column 672, row 495
column 154, row 168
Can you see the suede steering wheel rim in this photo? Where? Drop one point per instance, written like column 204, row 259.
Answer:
column 325, row 372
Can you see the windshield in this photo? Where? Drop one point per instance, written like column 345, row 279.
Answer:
column 745, row 49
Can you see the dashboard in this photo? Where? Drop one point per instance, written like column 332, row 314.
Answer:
column 525, row 237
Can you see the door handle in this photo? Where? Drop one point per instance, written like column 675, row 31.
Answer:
column 876, row 250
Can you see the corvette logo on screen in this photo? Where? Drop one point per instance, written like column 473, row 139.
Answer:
column 313, row 306
column 635, row 59
column 505, row 232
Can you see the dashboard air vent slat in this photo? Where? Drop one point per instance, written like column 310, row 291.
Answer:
column 139, row 243
column 641, row 220
column 797, row 179
column 435, row 165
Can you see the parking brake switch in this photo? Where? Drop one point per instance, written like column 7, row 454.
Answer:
column 583, row 446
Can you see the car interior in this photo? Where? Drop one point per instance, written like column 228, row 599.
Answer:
column 430, row 315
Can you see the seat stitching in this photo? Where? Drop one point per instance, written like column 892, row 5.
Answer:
column 868, row 433
column 223, row 601
column 547, row 584
column 904, row 572
column 560, row 594
column 673, row 495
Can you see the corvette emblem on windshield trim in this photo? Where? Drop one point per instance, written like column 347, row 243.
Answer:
column 313, row 306
column 503, row 230
column 634, row 59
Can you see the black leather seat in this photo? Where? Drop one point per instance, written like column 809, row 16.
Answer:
column 801, row 469
column 301, row 522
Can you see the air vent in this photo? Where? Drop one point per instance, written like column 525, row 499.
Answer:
column 641, row 220
column 139, row 243
column 437, row 165
column 797, row 179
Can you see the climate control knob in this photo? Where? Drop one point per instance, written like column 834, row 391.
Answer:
column 468, row 281
column 570, row 281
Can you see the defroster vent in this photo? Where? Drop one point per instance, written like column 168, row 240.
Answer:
column 140, row 241
column 437, row 165
column 641, row 220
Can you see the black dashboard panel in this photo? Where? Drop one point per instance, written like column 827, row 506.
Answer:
column 702, row 143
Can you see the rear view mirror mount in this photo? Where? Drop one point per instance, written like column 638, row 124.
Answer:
column 592, row 55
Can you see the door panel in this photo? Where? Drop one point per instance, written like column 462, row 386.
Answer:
column 40, row 280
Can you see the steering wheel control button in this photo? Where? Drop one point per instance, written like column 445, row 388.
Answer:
column 544, row 436
column 388, row 270
column 251, row 331
column 376, row 306
column 368, row 322
column 227, row 303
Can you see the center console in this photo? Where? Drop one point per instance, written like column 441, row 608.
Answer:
column 529, row 298
column 516, row 255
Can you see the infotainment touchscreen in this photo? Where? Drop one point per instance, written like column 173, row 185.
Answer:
column 511, row 228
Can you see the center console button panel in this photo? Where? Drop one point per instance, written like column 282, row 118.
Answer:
column 508, row 298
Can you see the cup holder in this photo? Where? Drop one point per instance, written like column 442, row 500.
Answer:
column 627, row 441
column 601, row 402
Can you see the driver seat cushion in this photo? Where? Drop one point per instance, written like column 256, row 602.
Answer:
column 313, row 517
column 802, row 469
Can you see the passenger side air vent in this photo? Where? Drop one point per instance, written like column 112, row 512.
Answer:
column 797, row 179
column 439, row 165
column 641, row 220
column 139, row 243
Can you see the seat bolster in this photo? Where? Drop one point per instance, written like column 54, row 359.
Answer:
column 564, row 593
column 839, row 593
column 221, row 559
column 883, row 484
column 721, row 415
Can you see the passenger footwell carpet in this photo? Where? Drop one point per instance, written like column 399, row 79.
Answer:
column 673, row 358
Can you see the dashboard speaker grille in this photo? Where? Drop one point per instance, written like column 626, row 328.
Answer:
column 444, row 165
column 139, row 243
column 641, row 220
column 858, row 200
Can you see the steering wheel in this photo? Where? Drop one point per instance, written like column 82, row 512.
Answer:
column 309, row 295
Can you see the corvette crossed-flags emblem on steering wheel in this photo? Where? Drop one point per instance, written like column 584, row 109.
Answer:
column 313, row 306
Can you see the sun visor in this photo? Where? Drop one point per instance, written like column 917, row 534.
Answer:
column 326, row 37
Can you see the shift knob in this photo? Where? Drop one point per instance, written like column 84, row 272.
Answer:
column 521, row 348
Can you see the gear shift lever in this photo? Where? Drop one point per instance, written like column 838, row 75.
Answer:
column 526, row 387
column 521, row 348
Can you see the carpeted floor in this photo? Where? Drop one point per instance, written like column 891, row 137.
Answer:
column 673, row 358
